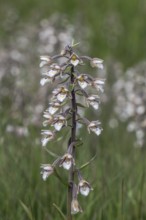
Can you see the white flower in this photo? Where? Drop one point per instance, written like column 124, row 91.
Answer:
column 45, row 60
column 83, row 81
column 93, row 101
column 84, row 187
column 75, row 207
column 66, row 161
column 74, row 59
column 58, row 123
column 54, row 69
column 96, row 62
column 95, row 127
column 49, row 118
column 98, row 84
column 54, row 108
column 46, row 171
column 47, row 136
column 61, row 93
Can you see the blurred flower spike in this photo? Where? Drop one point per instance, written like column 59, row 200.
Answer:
column 64, row 112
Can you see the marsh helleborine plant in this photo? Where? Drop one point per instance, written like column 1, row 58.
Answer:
column 63, row 111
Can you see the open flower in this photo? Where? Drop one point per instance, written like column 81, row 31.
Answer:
column 84, row 187
column 74, row 59
column 46, row 170
column 98, row 84
column 54, row 69
column 48, row 117
column 96, row 62
column 93, row 100
column 61, row 93
column 47, row 136
column 95, row 127
column 66, row 161
column 75, row 207
column 83, row 81
column 54, row 107
column 58, row 122
column 45, row 60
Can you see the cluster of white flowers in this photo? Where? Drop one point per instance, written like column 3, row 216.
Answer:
column 61, row 110
column 130, row 96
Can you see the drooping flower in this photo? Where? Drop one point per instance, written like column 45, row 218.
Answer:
column 46, row 171
column 84, row 187
column 98, row 84
column 47, row 136
column 94, row 101
column 83, row 81
column 74, row 59
column 95, row 126
column 66, row 161
column 54, row 107
column 58, row 122
column 96, row 62
column 75, row 207
column 61, row 93
column 45, row 60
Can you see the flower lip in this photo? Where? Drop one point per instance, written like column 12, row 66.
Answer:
column 59, row 122
column 95, row 127
column 74, row 59
column 47, row 136
column 84, row 187
column 66, row 161
column 46, row 171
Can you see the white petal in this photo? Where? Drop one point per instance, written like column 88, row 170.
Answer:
column 44, row 141
column 97, row 130
column 43, row 81
column 58, row 126
column 94, row 104
column 45, row 175
column 100, row 65
column 83, row 84
column 52, row 110
column 61, row 97
column 67, row 165
column 84, row 191
column 43, row 63
column 52, row 73
column 74, row 62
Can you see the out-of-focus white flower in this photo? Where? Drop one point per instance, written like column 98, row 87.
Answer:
column 54, row 69
column 84, row 187
column 61, row 93
column 54, row 108
column 46, row 170
column 58, row 122
column 47, row 136
column 75, row 207
column 74, row 59
column 95, row 127
column 83, row 81
column 98, row 84
column 96, row 62
column 66, row 161
column 93, row 100
column 45, row 60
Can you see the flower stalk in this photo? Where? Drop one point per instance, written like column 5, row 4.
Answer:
column 63, row 112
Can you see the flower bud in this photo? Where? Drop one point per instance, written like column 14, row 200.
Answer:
column 75, row 207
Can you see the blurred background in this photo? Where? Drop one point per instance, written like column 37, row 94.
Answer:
column 113, row 30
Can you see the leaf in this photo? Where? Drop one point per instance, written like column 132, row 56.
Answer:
column 80, row 105
column 51, row 153
column 86, row 164
column 59, row 211
column 65, row 80
column 26, row 209
column 71, row 87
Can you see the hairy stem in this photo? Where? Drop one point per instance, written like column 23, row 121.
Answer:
column 72, row 139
